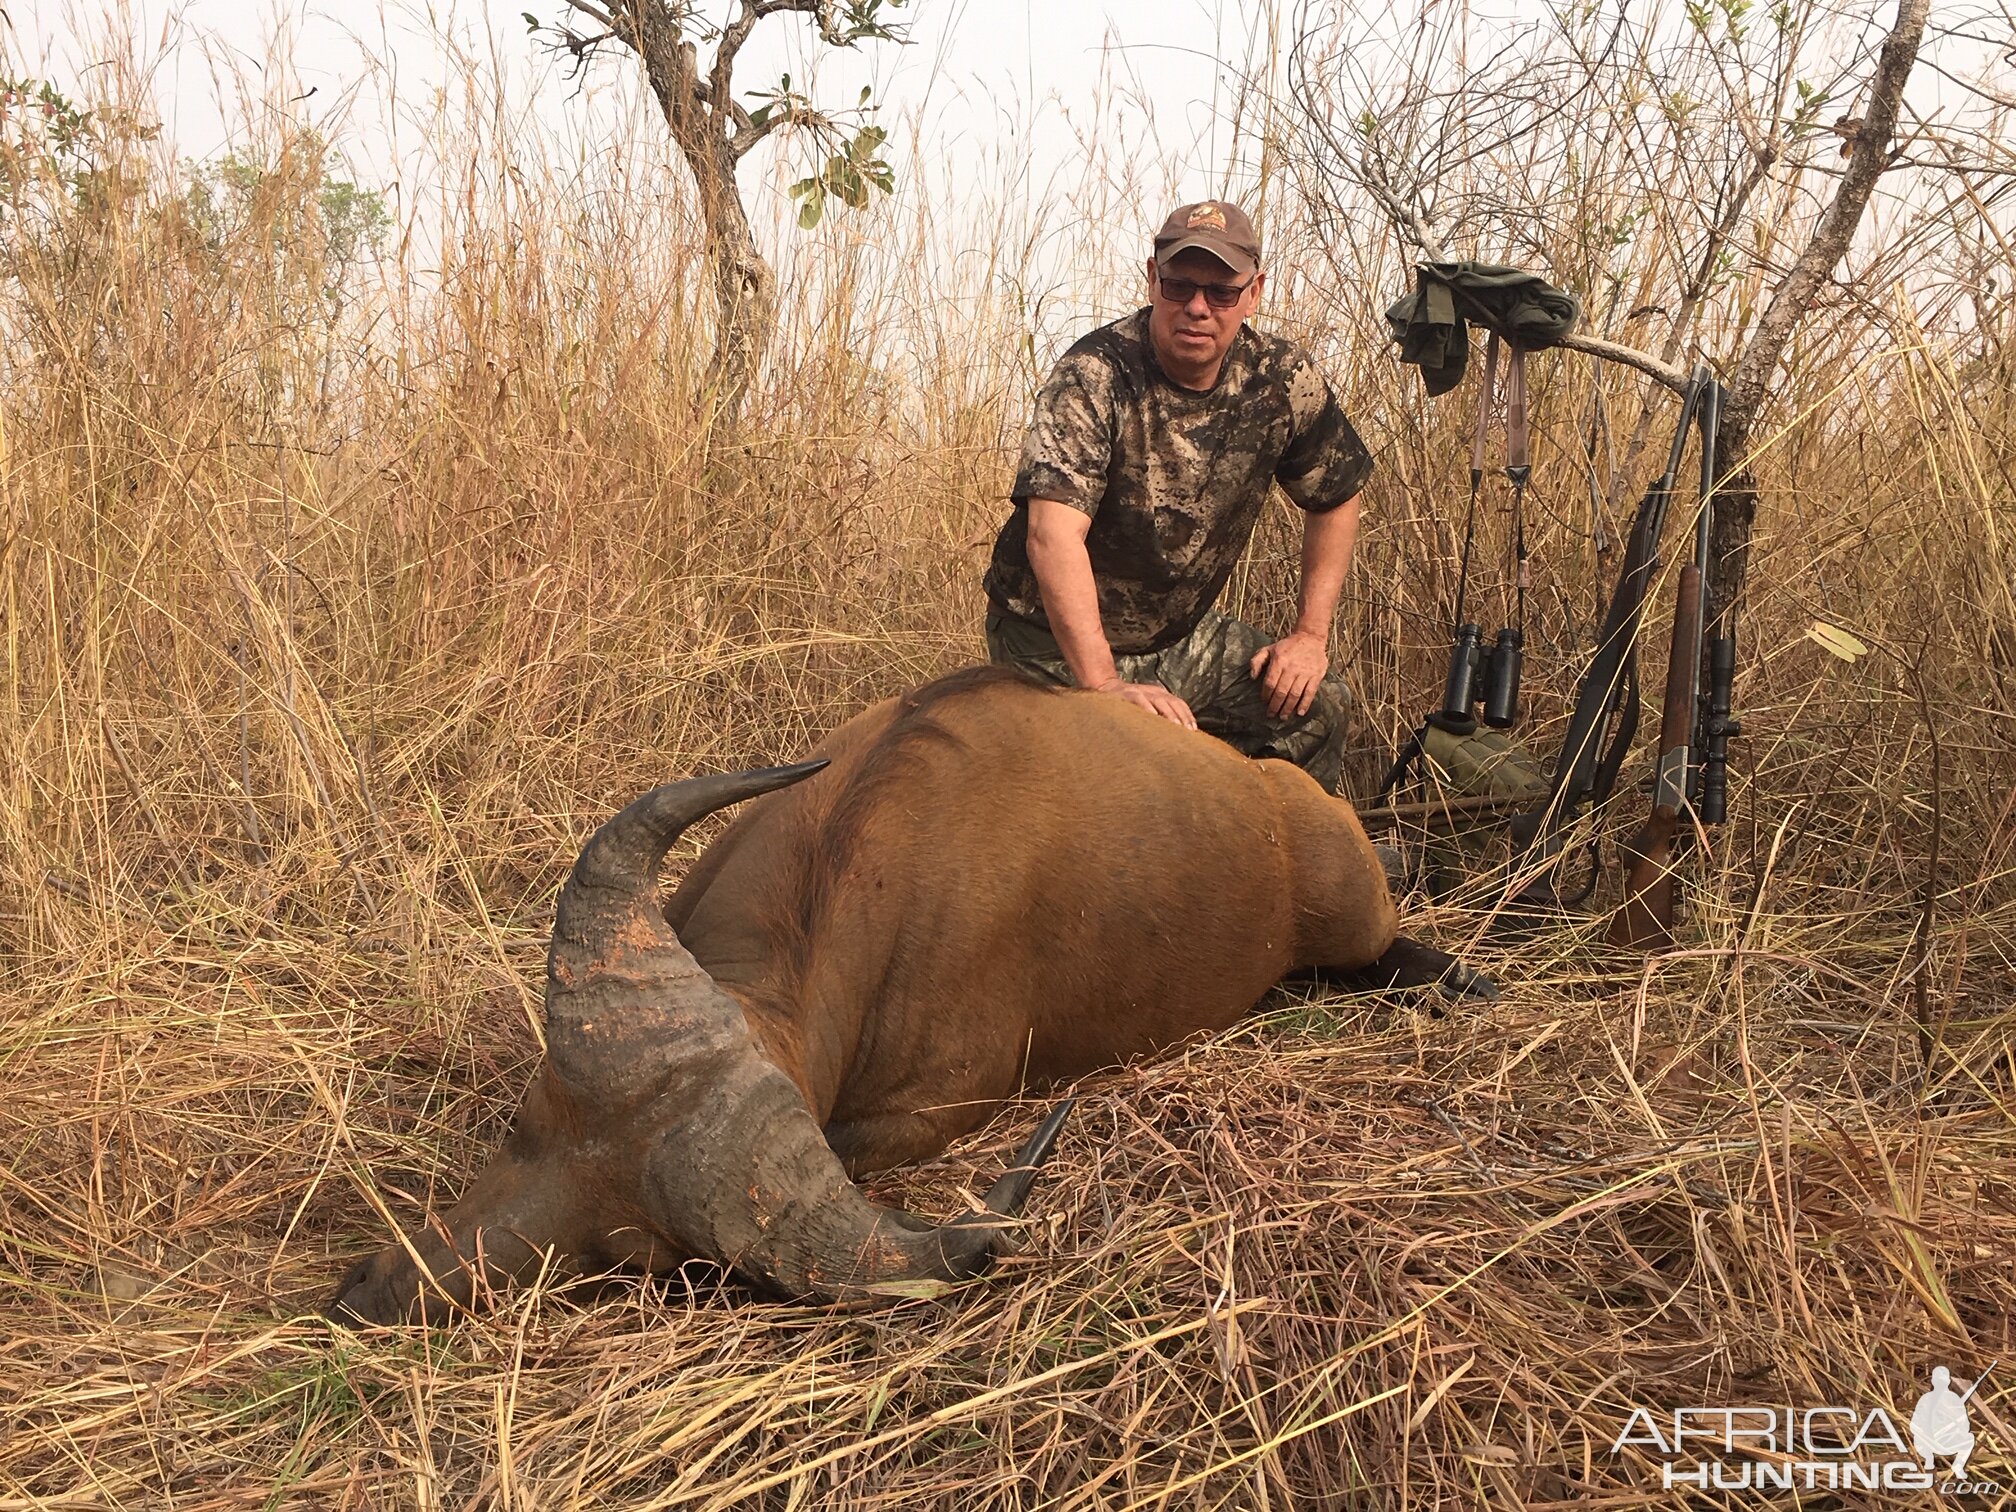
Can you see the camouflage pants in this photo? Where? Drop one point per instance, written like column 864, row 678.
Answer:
column 1207, row 670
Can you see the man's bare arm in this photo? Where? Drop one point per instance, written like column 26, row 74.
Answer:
column 1328, row 542
column 1291, row 670
column 1063, row 571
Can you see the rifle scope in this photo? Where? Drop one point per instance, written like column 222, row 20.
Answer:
column 1717, row 729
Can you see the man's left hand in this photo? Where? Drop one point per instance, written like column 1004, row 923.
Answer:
column 1290, row 671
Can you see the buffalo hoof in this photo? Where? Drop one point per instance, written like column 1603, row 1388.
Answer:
column 359, row 1299
column 1410, row 966
column 385, row 1290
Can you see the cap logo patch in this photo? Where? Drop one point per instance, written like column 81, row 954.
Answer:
column 1206, row 214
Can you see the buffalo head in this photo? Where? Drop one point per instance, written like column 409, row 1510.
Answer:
column 658, row 1131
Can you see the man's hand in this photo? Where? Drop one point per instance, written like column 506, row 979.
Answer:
column 1290, row 671
column 1153, row 697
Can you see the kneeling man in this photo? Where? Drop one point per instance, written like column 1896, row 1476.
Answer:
column 1153, row 447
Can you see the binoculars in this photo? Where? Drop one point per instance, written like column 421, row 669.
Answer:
column 1498, row 672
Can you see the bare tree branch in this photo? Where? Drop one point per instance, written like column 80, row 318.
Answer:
column 1870, row 155
column 1796, row 292
column 744, row 141
column 1626, row 356
column 594, row 13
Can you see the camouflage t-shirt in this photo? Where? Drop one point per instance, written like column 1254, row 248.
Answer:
column 1173, row 478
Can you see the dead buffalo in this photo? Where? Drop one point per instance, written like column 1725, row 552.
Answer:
column 990, row 886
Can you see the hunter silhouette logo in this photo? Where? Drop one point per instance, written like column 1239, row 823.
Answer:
column 1939, row 1426
column 1207, row 214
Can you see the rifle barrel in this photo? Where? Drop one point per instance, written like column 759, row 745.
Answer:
column 1977, row 1382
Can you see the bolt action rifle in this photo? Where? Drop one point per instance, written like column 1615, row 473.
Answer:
column 1607, row 699
column 1694, row 730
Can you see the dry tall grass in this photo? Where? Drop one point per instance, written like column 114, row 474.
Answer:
column 334, row 623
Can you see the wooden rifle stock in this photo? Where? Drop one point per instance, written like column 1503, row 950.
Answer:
column 1645, row 922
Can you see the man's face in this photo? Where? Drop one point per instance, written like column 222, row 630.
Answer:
column 1195, row 334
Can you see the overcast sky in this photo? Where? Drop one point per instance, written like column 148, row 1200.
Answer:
column 1100, row 114
column 973, row 69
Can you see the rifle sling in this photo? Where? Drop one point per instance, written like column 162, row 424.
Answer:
column 1482, row 434
column 1603, row 782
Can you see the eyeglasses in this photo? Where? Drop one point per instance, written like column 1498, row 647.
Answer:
column 1220, row 296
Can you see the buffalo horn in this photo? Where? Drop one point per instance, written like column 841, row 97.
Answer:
column 624, row 854
column 621, row 991
column 739, row 1170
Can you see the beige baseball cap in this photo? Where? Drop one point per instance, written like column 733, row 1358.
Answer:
column 1215, row 226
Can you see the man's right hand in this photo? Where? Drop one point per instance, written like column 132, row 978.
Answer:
column 1063, row 568
column 1153, row 697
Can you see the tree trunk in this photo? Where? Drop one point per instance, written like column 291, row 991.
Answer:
column 745, row 290
column 1736, row 501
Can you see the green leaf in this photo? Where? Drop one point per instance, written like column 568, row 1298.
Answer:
column 813, row 193
column 866, row 90
column 758, row 117
column 531, row 21
column 865, row 142
column 845, row 180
